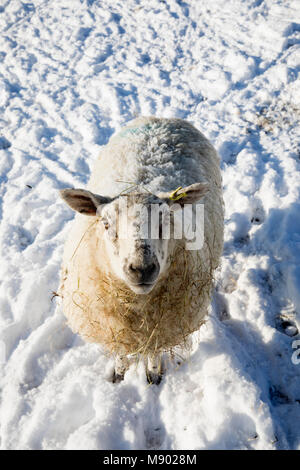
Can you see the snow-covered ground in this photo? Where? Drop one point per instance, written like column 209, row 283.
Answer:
column 71, row 73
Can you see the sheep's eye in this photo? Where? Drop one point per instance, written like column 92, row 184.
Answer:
column 106, row 224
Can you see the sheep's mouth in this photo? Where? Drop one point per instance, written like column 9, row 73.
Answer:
column 142, row 287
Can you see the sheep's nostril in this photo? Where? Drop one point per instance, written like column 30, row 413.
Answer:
column 150, row 269
column 133, row 268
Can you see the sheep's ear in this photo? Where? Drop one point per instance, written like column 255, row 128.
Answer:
column 187, row 195
column 83, row 201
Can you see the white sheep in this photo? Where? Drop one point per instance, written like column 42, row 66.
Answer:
column 142, row 295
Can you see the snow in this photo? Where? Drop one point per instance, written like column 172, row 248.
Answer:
column 73, row 72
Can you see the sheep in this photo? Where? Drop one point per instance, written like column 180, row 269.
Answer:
column 143, row 295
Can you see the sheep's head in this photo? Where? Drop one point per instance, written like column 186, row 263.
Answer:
column 136, row 228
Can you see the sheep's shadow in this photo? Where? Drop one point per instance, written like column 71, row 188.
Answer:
column 267, row 364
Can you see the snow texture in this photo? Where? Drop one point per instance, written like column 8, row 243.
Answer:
column 73, row 72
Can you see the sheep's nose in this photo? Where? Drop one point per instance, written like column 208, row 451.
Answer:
column 143, row 273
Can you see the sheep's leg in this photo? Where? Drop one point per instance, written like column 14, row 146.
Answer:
column 121, row 366
column 154, row 369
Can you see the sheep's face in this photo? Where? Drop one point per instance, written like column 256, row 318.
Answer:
column 136, row 229
column 135, row 239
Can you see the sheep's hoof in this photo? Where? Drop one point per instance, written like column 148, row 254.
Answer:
column 153, row 378
column 117, row 378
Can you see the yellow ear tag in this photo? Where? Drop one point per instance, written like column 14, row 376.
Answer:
column 175, row 197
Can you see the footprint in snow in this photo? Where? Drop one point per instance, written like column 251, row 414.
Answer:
column 4, row 143
column 286, row 326
column 258, row 215
column 292, row 34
